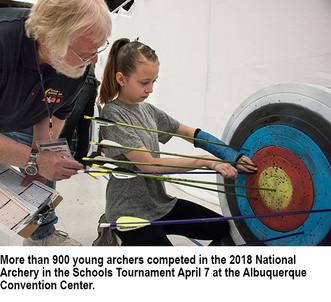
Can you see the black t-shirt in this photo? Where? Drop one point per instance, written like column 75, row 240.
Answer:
column 22, row 103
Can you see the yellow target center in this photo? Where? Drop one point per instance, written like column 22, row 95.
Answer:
column 275, row 178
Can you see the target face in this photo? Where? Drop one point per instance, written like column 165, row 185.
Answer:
column 287, row 131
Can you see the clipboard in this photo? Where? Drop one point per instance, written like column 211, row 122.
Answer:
column 23, row 208
column 31, row 227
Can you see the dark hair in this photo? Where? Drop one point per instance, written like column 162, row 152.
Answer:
column 123, row 57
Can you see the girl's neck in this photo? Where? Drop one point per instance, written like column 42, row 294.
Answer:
column 123, row 99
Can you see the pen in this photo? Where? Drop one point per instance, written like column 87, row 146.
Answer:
column 64, row 157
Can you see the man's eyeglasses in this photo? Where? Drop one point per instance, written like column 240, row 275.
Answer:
column 101, row 49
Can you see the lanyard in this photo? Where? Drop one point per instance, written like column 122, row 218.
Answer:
column 50, row 112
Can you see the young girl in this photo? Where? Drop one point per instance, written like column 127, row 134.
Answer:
column 130, row 73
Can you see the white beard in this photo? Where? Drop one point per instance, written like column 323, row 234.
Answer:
column 61, row 66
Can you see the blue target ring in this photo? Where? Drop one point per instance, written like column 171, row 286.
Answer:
column 295, row 117
column 317, row 226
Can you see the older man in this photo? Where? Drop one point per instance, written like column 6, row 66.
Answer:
column 44, row 53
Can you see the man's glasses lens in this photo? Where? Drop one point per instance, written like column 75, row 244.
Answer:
column 101, row 49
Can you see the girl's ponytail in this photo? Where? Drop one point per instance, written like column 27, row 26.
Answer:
column 110, row 88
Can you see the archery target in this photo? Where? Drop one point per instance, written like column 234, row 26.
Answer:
column 287, row 130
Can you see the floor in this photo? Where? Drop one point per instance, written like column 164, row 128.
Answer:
column 82, row 205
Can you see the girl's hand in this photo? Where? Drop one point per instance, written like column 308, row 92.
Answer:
column 245, row 159
column 225, row 169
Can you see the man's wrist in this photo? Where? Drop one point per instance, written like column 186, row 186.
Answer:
column 31, row 167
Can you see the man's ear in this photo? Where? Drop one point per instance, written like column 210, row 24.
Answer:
column 120, row 78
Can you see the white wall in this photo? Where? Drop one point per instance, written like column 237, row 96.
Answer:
column 216, row 53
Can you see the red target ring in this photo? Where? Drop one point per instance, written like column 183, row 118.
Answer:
column 279, row 168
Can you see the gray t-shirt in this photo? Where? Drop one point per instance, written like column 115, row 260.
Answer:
column 138, row 197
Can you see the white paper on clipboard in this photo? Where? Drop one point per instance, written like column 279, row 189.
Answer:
column 19, row 204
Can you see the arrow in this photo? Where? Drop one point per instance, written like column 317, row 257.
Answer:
column 133, row 174
column 108, row 143
column 189, row 172
column 104, row 159
column 110, row 160
column 167, row 172
column 208, row 189
column 105, row 122
column 127, row 223
column 169, row 179
column 272, row 239
column 103, row 172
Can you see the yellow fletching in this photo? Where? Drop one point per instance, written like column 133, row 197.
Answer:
column 134, row 222
column 96, row 174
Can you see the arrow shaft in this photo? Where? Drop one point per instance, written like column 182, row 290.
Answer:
column 167, row 172
column 162, row 178
column 106, row 122
column 170, row 153
column 203, row 220
column 208, row 189
column 109, row 160
column 187, row 172
column 272, row 239
column 186, row 184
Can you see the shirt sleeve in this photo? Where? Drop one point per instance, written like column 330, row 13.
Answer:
column 164, row 123
column 124, row 136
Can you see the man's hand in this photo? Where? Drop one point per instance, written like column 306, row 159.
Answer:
column 55, row 166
